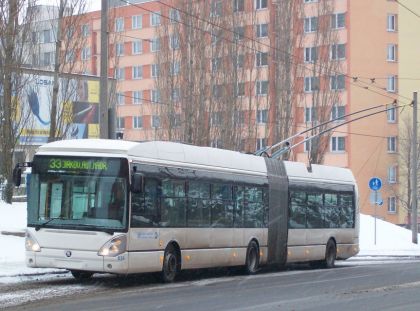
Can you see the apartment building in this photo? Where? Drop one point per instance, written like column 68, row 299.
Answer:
column 363, row 47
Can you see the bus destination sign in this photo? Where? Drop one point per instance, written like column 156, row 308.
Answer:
column 82, row 165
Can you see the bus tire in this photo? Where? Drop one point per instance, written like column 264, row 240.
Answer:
column 330, row 254
column 171, row 265
column 252, row 258
column 81, row 275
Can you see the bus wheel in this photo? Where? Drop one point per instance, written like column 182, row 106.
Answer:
column 330, row 254
column 252, row 258
column 170, row 265
column 81, row 275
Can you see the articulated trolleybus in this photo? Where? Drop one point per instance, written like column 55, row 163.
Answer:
column 105, row 206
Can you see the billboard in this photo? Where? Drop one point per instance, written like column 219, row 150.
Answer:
column 77, row 108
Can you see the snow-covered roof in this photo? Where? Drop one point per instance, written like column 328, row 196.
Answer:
column 161, row 152
column 297, row 170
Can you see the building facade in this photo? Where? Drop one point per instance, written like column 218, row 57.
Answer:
column 347, row 56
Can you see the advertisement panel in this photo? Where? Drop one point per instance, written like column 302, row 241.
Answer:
column 77, row 108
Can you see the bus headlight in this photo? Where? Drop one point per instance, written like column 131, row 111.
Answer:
column 31, row 244
column 114, row 247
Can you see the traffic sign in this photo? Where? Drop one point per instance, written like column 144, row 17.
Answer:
column 375, row 183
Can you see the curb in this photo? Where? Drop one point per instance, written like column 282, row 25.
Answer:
column 14, row 233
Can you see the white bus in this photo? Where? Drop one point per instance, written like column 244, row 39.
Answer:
column 182, row 207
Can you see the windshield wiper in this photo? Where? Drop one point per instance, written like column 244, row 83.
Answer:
column 37, row 227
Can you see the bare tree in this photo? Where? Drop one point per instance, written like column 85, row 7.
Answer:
column 66, row 24
column 325, row 82
column 15, row 25
column 286, row 65
column 402, row 191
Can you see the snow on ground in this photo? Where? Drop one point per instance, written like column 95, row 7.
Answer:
column 391, row 241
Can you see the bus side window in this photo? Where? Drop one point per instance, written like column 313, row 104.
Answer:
column 222, row 206
column 174, row 203
column 239, row 207
column 254, row 208
column 347, row 211
column 146, row 204
column 331, row 211
column 297, row 210
column 314, row 217
column 198, row 204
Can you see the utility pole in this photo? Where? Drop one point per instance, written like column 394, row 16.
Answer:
column 103, row 93
column 414, row 226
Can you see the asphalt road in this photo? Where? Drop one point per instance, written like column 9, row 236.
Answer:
column 392, row 286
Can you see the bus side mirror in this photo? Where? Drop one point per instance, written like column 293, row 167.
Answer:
column 17, row 176
column 136, row 183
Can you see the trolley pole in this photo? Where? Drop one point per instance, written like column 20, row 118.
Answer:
column 103, row 89
column 414, row 226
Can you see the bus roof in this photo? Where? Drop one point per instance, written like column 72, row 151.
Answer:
column 160, row 152
column 163, row 152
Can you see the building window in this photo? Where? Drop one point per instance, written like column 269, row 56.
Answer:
column 391, row 24
column 119, row 49
column 238, row 6
column 239, row 61
column 338, row 113
column 137, row 47
column 338, row 20
column 391, row 52
column 137, row 97
column 85, row 53
column 392, row 205
column 120, row 123
column 46, row 36
column 338, row 51
column 337, row 82
column 137, row 72
column 155, row 19
column 392, row 144
column 47, row 58
column 391, row 84
column 119, row 73
column 260, row 4
column 155, row 121
column 216, row 118
column 310, row 24
column 262, row 116
column 136, row 22
column 239, row 33
column 174, row 16
column 175, row 95
column 155, row 96
column 262, row 88
column 262, row 30
column 120, row 98
column 216, row 8
column 392, row 174
column 85, row 30
column 391, row 114
column 174, row 68
column 119, row 24
column 311, row 84
column 155, row 70
column 338, row 144
column 217, row 143
column 239, row 117
column 310, row 1
column 155, row 44
column 70, row 56
column 174, row 42
column 310, row 114
column 261, row 143
column 215, row 63
column 261, row 59
column 310, row 54
column 137, row 122
column 217, row 91
column 240, row 89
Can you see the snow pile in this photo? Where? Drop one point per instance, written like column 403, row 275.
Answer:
column 391, row 240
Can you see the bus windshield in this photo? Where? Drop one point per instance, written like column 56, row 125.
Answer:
column 78, row 193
